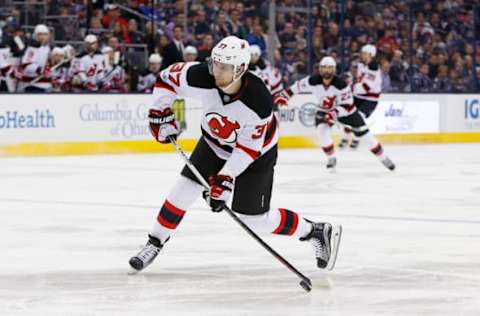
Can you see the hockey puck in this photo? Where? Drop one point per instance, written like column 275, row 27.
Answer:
column 307, row 287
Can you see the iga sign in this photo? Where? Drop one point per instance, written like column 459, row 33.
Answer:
column 472, row 113
column 402, row 117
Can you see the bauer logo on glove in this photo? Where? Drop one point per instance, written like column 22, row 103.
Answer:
column 163, row 125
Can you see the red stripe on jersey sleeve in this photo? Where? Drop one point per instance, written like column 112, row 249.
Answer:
column 252, row 153
column 161, row 84
column 276, row 85
column 366, row 87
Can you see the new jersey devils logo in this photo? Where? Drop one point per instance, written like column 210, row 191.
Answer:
column 328, row 102
column 221, row 127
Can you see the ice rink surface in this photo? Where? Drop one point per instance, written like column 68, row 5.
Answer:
column 411, row 243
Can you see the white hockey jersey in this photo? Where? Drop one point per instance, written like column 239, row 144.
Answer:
column 90, row 69
column 113, row 79
column 368, row 83
column 6, row 68
column 59, row 77
column 239, row 128
column 146, row 81
column 270, row 75
column 33, row 65
column 337, row 95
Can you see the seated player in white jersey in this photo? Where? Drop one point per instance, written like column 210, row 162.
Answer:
column 335, row 103
column 266, row 71
column 366, row 90
column 237, row 152
column 148, row 78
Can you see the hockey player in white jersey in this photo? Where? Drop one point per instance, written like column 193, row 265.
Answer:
column 366, row 89
column 87, row 69
column 34, row 62
column 263, row 69
column 190, row 53
column 236, row 153
column 335, row 104
column 113, row 79
column 6, row 68
column 148, row 78
column 58, row 72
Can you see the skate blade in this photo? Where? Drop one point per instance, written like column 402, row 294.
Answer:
column 132, row 271
column 336, row 237
column 332, row 170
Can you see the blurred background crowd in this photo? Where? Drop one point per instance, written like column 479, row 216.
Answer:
column 423, row 46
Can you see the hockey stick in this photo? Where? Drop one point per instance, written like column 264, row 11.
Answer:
column 63, row 62
column 306, row 284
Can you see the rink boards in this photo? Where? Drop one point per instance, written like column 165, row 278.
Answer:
column 73, row 124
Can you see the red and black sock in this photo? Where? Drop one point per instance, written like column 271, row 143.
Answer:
column 170, row 216
column 328, row 150
column 288, row 222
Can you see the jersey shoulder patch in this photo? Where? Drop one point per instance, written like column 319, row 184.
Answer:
column 81, row 55
column 315, row 80
column 34, row 43
column 198, row 76
column 339, row 83
column 144, row 73
column 256, row 96
column 373, row 65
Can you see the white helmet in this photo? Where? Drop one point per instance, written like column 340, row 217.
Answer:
column 190, row 50
column 106, row 50
column 155, row 59
column 255, row 50
column 369, row 49
column 328, row 61
column 41, row 29
column 233, row 51
column 68, row 50
column 90, row 39
column 58, row 51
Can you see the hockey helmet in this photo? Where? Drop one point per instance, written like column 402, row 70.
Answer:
column 58, row 51
column 369, row 49
column 90, row 39
column 255, row 50
column 328, row 61
column 41, row 29
column 232, row 51
column 155, row 59
column 190, row 50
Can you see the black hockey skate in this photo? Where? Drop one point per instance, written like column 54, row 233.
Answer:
column 331, row 163
column 354, row 144
column 388, row 163
column 146, row 256
column 325, row 239
column 343, row 143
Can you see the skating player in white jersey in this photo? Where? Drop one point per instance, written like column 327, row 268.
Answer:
column 335, row 102
column 366, row 89
column 237, row 152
